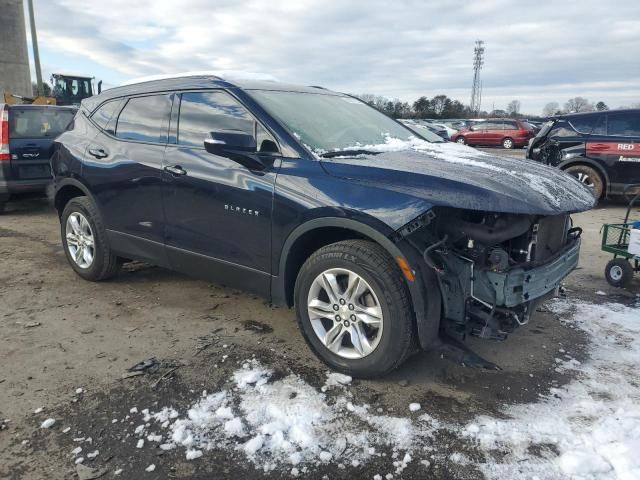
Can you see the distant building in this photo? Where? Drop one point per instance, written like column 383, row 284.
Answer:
column 15, row 76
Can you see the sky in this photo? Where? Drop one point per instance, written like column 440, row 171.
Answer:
column 536, row 52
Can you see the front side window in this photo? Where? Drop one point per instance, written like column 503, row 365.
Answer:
column 625, row 124
column 494, row 125
column 204, row 112
column 562, row 130
column 145, row 119
column 330, row 122
column 585, row 123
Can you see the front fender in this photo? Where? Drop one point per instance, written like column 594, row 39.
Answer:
column 426, row 302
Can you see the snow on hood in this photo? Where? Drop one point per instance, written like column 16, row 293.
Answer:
column 501, row 183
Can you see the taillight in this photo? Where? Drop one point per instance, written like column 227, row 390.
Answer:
column 4, row 133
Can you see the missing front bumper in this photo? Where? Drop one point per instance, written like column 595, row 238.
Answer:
column 521, row 285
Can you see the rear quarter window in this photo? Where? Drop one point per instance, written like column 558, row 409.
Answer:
column 106, row 115
column 38, row 122
column 145, row 119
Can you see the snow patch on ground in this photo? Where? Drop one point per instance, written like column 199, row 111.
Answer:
column 287, row 422
column 593, row 422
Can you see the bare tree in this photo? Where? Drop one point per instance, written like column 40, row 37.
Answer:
column 513, row 109
column 578, row 104
column 550, row 109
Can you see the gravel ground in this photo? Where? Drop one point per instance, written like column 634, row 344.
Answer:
column 59, row 334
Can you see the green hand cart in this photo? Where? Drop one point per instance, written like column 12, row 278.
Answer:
column 615, row 239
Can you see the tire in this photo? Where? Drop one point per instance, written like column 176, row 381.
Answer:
column 382, row 290
column 619, row 273
column 461, row 140
column 507, row 143
column 104, row 264
column 590, row 177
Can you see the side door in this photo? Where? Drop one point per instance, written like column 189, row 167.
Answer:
column 123, row 170
column 218, row 212
column 618, row 149
column 494, row 132
column 477, row 134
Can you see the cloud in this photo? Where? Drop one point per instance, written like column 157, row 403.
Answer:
column 549, row 51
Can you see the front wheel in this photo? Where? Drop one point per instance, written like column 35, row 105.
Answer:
column 589, row 177
column 85, row 240
column 619, row 272
column 461, row 140
column 353, row 308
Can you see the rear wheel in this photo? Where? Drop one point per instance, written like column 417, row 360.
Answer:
column 619, row 272
column 588, row 176
column 461, row 140
column 353, row 308
column 85, row 240
column 507, row 143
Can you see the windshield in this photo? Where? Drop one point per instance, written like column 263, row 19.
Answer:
column 326, row 122
column 38, row 122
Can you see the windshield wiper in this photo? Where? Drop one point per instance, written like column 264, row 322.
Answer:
column 347, row 153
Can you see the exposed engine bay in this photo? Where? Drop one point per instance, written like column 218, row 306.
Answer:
column 493, row 268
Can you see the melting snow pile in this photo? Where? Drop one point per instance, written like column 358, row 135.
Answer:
column 594, row 422
column 286, row 422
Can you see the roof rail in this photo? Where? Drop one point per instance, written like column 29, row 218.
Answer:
column 220, row 75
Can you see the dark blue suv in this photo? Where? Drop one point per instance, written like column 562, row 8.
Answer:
column 384, row 242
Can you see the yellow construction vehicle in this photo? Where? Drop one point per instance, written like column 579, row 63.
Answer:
column 66, row 89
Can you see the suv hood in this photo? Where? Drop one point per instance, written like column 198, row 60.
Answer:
column 462, row 177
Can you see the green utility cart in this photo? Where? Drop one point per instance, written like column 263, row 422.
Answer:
column 616, row 238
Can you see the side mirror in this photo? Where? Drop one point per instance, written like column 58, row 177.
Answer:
column 222, row 142
column 235, row 145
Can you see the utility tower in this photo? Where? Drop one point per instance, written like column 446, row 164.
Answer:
column 476, row 89
column 14, row 61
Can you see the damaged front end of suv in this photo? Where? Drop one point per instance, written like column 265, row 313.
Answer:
column 494, row 236
column 493, row 268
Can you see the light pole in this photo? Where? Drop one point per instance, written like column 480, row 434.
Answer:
column 36, row 53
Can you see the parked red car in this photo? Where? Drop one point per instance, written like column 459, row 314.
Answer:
column 508, row 133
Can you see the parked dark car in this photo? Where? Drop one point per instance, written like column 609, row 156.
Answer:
column 601, row 149
column 426, row 131
column 312, row 198
column 495, row 132
column 26, row 143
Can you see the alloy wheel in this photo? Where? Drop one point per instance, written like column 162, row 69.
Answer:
column 345, row 313
column 586, row 179
column 80, row 240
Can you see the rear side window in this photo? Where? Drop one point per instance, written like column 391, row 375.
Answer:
column 145, row 119
column 204, row 112
column 106, row 113
column 510, row 125
column 38, row 122
column 625, row 124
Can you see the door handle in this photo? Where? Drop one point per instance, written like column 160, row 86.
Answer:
column 176, row 170
column 98, row 152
